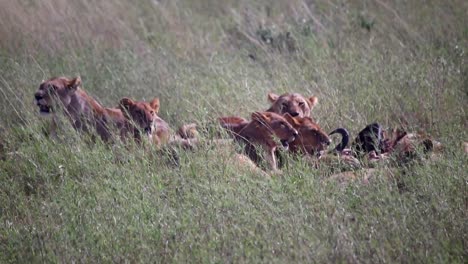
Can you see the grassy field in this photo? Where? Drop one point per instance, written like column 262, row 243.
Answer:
column 400, row 63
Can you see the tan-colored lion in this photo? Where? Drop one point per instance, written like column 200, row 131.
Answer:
column 311, row 139
column 292, row 103
column 83, row 111
column 142, row 117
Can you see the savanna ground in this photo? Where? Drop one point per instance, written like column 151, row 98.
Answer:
column 401, row 63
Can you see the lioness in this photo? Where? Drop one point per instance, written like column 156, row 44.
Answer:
column 262, row 131
column 82, row 110
column 294, row 104
column 142, row 117
column 291, row 103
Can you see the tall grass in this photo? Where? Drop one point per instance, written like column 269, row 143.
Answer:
column 401, row 63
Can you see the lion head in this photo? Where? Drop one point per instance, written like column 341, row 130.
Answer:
column 141, row 114
column 293, row 104
column 60, row 88
column 311, row 139
column 276, row 125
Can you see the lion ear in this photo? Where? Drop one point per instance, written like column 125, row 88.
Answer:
column 74, row 83
column 155, row 104
column 125, row 104
column 313, row 101
column 272, row 97
column 261, row 117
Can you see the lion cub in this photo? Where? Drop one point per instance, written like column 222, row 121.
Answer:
column 311, row 140
column 264, row 130
column 142, row 118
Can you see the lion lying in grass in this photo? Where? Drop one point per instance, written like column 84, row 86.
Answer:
column 141, row 118
column 83, row 111
column 292, row 103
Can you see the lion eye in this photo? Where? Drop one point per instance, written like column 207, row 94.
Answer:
column 152, row 112
column 284, row 105
column 282, row 125
column 301, row 104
